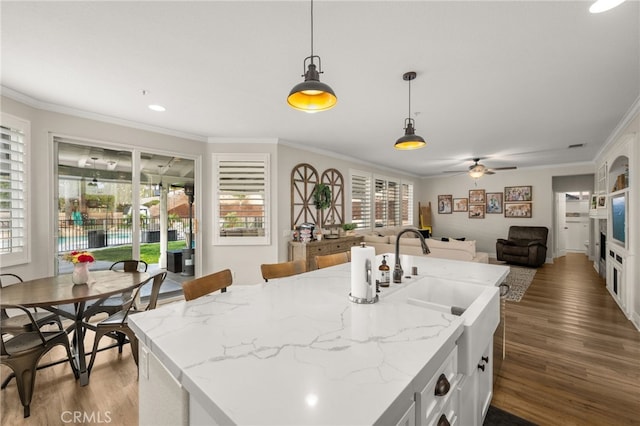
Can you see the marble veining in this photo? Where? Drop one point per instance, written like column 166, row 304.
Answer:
column 295, row 350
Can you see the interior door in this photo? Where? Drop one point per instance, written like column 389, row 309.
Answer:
column 561, row 224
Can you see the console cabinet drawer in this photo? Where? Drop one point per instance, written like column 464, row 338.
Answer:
column 308, row 251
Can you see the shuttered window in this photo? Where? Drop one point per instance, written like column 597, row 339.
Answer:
column 387, row 203
column 361, row 199
column 241, row 199
column 407, row 204
column 13, row 190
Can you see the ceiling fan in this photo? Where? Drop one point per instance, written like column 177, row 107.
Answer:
column 477, row 170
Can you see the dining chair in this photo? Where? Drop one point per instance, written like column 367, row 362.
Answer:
column 23, row 351
column 21, row 322
column 117, row 327
column 208, row 284
column 332, row 259
column 115, row 303
column 283, row 269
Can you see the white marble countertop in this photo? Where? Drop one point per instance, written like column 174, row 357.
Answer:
column 296, row 351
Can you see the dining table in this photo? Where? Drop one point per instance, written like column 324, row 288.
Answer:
column 52, row 293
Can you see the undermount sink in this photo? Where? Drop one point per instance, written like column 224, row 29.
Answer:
column 477, row 305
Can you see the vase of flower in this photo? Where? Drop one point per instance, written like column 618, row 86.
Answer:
column 80, row 261
column 80, row 273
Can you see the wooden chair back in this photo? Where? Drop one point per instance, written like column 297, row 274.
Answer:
column 207, row 284
column 284, row 269
column 332, row 259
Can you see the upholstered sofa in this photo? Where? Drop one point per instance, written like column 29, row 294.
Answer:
column 384, row 241
column 526, row 245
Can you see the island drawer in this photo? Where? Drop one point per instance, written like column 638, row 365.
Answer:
column 439, row 393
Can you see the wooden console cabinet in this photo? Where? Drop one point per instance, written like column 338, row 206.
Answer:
column 310, row 250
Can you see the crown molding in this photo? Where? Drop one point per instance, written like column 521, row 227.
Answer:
column 633, row 111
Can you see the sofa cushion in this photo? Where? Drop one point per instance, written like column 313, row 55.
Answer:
column 376, row 239
column 466, row 246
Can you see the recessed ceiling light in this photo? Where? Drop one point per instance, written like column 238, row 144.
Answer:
column 155, row 107
column 604, row 5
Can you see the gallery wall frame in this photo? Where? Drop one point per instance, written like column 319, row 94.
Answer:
column 476, row 211
column 518, row 193
column 518, row 210
column 445, row 204
column 460, row 204
column 494, row 203
column 476, row 196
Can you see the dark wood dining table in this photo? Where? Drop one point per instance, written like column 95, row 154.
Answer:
column 51, row 293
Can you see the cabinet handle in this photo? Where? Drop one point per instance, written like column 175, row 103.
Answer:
column 442, row 421
column 485, row 358
column 442, row 386
column 481, row 367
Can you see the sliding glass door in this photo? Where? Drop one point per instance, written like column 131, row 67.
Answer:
column 122, row 204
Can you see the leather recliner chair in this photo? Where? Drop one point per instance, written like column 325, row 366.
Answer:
column 526, row 245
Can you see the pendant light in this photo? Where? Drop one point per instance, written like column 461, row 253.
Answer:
column 94, row 181
column 312, row 95
column 410, row 140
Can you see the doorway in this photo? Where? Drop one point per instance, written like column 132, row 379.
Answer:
column 573, row 228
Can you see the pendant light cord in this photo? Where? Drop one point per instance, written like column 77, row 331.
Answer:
column 409, row 98
column 312, row 31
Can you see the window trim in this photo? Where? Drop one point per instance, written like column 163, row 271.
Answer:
column 24, row 256
column 219, row 240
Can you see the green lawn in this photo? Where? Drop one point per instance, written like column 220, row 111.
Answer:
column 148, row 252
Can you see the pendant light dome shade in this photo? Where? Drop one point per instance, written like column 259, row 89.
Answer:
column 410, row 140
column 312, row 95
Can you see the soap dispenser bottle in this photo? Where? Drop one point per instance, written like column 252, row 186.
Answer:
column 385, row 273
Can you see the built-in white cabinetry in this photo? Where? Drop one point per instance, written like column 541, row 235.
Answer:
column 162, row 399
column 476, row 391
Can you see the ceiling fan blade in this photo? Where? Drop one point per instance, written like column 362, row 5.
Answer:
column 455, row 171
column 504, row 168
column 489, row 172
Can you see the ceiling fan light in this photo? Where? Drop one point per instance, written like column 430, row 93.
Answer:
column 476, row 173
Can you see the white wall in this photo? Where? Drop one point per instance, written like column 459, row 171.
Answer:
column 493, row 226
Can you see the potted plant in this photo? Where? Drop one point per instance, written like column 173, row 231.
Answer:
column 349, row 228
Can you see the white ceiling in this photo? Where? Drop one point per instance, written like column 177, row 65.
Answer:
column 512, row 82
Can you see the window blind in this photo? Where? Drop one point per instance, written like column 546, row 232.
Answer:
column 407, row 204
column 13, row 190
column 241, row 196
column 361, row 200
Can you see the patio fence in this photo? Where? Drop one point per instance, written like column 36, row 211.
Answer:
column 98, row 233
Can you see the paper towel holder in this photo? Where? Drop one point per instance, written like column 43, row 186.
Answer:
column 362, row 300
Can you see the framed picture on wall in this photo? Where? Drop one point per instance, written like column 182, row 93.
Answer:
column 460, row 204
column 476, row 211
column 602, row 201
column 494, row 203
column 445, row 204
column 517, row 210
column 594, row 202
column 517, row 193
column 476, row 196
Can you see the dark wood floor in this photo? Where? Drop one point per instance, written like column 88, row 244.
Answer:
column 572, row 359
column 572, row 356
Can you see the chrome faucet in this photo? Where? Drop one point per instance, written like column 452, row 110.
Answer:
column 397, row 270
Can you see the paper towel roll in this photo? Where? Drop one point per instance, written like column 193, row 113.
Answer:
column 360, row 288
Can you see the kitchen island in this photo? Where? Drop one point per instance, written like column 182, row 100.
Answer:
column 296, row 351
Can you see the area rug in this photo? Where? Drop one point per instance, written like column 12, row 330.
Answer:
column 498, row 417
column 518, row 280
